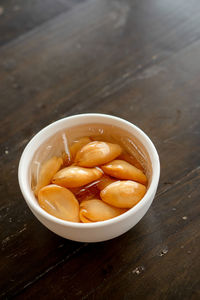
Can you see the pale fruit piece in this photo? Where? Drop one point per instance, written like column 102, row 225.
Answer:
column 78, row 144
column 131, row 160
column 59, row 202
column 96, row 210
column 123, row 170
column 83, row 218
column 74, row 176
column 47, row 171
column 97, row 153
column 123, row 194
column 104, row 182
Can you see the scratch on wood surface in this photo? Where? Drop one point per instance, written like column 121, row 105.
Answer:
column 126, row 75
column 8, row 238
column 53, row 267
column 120, row 14
column 44, row 273
column 170, row 139
column 23, row 142
column 18, row 253
column 150, row 72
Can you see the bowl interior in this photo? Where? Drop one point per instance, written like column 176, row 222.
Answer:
column 56, row 138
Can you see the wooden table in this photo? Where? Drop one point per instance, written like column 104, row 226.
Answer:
column 139, row 60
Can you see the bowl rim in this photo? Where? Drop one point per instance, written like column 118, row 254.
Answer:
column 24, row 164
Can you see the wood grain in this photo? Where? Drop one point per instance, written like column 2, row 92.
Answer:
column 18, row 16
column 138, row 60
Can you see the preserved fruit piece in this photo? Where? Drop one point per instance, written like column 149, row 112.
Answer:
column 97, row 153
column 123, row 194
column 96, row 210
column 78, row 144
column 104, row 182
column 74, row 176
column 47, row 171
column 123, row 170
column 59, row 202
column 131, row 160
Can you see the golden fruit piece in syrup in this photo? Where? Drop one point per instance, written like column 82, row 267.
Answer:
column 96, row 210
column 78, row 144
column 47, row 171
column 131, row 160
column 97, row 153
column 74, row 176
column 59, row 202
column 123, row 194
column 123, row 170
column 104, row 182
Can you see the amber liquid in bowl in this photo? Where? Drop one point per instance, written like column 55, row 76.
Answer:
column 59, row 145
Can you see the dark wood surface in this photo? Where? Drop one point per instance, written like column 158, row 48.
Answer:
column 139, row 60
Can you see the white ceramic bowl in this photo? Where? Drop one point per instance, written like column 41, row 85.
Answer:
column 89, row 232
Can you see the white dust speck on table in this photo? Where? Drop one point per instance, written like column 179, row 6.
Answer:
column 163, row 251
column 184, row 218
column 174, row 208
column 138, row 270
column 6, row 151
column 182, row 247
